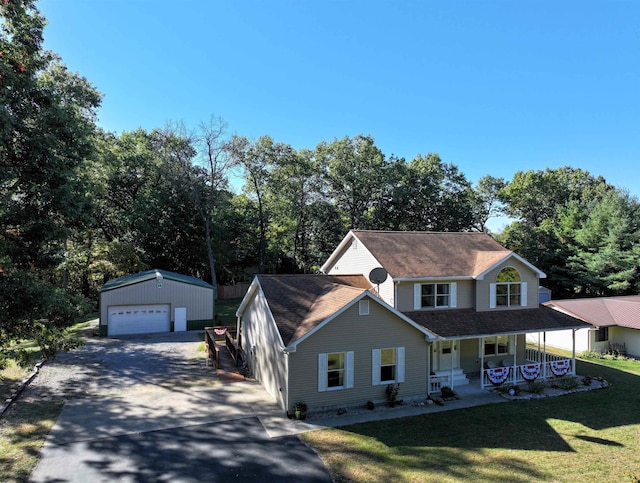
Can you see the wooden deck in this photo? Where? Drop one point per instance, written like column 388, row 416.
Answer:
column 219, row 354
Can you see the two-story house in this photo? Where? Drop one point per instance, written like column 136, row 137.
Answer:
column 421, row 309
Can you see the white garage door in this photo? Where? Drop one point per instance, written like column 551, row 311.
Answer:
column 139, row 319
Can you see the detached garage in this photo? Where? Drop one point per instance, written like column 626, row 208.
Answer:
column 155, row 301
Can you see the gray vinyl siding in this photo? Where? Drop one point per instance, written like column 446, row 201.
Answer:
column 360, row 334
column 263, row 349
column 469, row 357
column 465, row 294
column 197, row 300
column 526, row 275
column 355, row 259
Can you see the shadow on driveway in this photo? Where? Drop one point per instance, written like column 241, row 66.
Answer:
column 148, row 409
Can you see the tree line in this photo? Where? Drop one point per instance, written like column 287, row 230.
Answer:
column 80, row 206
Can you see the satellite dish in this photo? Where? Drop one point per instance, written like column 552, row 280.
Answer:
column 378, row 275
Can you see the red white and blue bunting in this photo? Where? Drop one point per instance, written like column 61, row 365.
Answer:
column 560, row 368
column 498, row 375
column 530, row 372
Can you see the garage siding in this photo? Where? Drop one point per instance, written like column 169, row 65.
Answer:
column 198, row 300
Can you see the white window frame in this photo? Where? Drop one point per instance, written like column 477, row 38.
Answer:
column 323, row 371
column 376, row 366
column 495, row 340
column 452, row 296
column 493, row 292
column 363, row 307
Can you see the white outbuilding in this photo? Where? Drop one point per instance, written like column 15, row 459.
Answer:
column 155, row 301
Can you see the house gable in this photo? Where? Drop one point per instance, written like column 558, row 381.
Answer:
column 364, row 296
column 349, row 331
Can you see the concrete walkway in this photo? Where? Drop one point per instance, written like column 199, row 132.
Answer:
column 470, row 396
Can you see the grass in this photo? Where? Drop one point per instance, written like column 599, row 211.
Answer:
column 226, row 311
column 581, row 437
column 23, row 430
column 25, row 426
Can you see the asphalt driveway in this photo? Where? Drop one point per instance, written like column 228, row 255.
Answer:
column 148, row 409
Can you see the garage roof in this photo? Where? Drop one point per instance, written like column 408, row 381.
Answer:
column 151, row 275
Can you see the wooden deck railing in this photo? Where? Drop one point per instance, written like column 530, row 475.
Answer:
column 210, row 346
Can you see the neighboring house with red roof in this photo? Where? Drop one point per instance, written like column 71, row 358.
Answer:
column 442, row 307
column 615, row 321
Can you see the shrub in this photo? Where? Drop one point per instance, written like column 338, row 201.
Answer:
column 392, row 394
column 370, row 405
column 536, row 387
column 568, row 383
column 586, row 380
column 591, row 355
column 447, row 392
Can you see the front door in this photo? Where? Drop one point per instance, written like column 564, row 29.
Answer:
column 447, row 355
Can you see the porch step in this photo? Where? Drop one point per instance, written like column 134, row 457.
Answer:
column 459, row 377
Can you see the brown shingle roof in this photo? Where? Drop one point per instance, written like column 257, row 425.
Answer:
column 603, row 311
column 469, row 323
column 301, row 302
column 432, row 254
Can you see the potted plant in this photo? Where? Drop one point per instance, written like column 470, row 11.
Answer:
column 300, row 410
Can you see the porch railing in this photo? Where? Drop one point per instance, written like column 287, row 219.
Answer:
column 437, row 382
column 555, row 367
column 534, row 355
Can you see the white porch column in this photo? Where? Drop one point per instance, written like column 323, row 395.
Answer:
column 544, row 355
column 515, row 360
column 573, row 352
column 453, row 353
column 429, row 349
column 481, row 350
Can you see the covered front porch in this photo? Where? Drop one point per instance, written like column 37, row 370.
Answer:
column 499, row 360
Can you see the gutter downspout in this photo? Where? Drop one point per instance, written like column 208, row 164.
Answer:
column 395, row 294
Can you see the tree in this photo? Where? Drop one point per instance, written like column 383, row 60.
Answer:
column 535, row 196
column 257, row 160
column 427, row 194
column 355, row 170
column 607, row 259
column 293, row 188
column 487, row 201
column 46, row 121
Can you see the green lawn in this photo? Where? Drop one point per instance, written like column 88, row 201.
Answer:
column 226, row 311
column 24, row 427
column 582, row 437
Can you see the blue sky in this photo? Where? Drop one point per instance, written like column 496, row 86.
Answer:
column 492, row 86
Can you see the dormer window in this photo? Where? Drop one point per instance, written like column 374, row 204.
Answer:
column 509, row 290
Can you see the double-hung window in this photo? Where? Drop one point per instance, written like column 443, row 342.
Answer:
column 497, row 345
column 434, row 295
column 387, row 365
column 335, row 371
